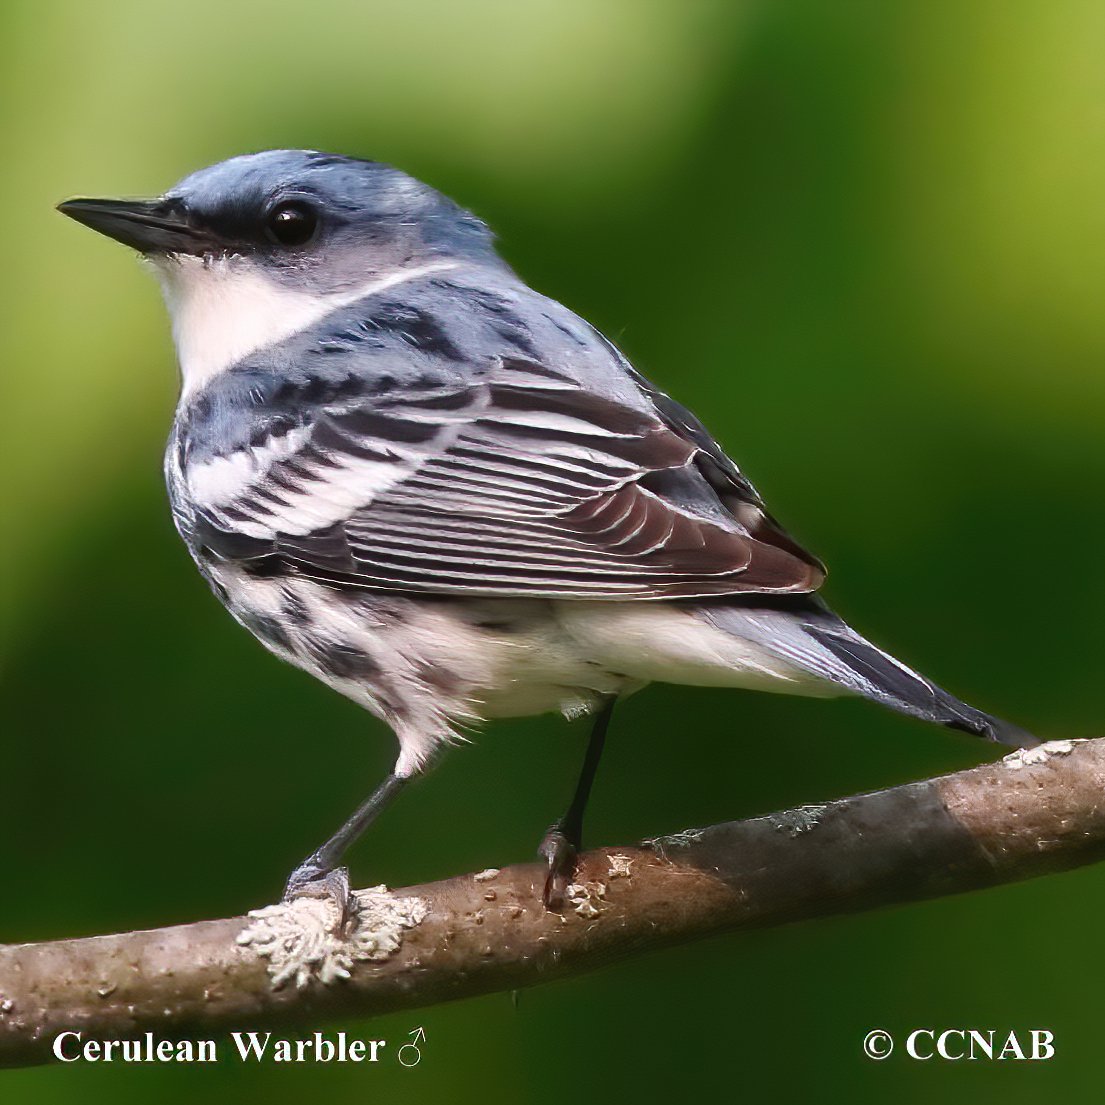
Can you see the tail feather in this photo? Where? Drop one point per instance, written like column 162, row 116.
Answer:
column 902, row 689
column 807, row 633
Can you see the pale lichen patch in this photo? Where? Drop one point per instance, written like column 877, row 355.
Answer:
column 587, row 898
column 304, row 939
column 684, row 839
column 1026, row 757
column 796, row 821
column 620, row 866
column 487, row 875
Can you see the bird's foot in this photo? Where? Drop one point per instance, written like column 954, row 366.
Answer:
column 561, row 850
column 311, row 880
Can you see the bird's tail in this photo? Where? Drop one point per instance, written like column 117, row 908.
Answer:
column 805, row 633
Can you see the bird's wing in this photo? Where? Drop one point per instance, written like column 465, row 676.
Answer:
column 517, row 483
column 511, row 452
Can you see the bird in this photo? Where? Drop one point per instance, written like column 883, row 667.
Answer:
column 448, row 496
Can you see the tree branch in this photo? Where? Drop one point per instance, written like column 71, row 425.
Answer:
column 1033, row 813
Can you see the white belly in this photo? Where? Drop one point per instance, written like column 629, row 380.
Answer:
column 431, row 668
column 660, row 642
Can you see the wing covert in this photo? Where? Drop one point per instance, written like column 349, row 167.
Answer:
column 517, row 483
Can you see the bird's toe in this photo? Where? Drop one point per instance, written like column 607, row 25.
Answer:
column 310, row 880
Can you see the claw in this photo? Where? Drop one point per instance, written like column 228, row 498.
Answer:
column 309, row 880
column 560, row 853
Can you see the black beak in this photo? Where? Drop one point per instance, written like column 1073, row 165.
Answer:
column 149, row 226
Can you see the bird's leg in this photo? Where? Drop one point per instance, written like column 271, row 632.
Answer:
column 319, row 875
column 565, row 837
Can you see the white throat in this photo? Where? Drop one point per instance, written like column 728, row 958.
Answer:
column 225, row 309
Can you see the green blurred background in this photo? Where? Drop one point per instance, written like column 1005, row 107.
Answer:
column 864, row 241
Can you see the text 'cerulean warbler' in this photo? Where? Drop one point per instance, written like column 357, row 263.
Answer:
column 449, row 497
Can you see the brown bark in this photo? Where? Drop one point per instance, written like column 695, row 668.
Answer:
column 481, row 933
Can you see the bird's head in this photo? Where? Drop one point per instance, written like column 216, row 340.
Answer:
column 256, row 248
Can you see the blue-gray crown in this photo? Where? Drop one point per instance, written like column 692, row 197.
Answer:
column 349, row 194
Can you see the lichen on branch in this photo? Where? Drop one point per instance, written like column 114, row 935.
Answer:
column 1030, row 814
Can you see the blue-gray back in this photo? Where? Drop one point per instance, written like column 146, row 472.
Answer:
column 459, row 433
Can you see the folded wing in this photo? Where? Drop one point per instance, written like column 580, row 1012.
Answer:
column 518, row 483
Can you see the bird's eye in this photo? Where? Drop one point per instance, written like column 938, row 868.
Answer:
column 292, row 223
